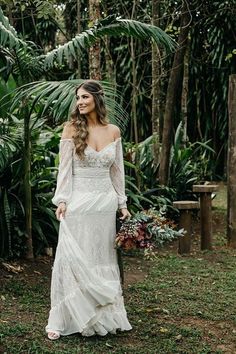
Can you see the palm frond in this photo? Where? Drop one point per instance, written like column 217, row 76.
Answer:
column 110, row 26
column 9, row 142
column 7, row 61
column 29, row 66
column 140, row 30
column 8, row 34
column 7, row 212
column 25, row 60
column 8, row 147
column 58, row 97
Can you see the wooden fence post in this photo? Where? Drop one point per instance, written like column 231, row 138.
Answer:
column 231, row 168
column 205, row 191
column 185, row 208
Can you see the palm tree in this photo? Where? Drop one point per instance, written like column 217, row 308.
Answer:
column 156, row 86
column 95, row 49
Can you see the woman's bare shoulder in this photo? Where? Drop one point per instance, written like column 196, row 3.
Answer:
column 68, row 131
column 114, row 130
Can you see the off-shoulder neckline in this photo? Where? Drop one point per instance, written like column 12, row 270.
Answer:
column 112, row 142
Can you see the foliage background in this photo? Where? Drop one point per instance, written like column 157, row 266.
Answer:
column 127, row 64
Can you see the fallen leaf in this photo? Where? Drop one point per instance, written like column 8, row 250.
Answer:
column 163, row 330
column 109, row 345
column 167, row 312
column 12, row 268
column 178, row 337
column 154, row 309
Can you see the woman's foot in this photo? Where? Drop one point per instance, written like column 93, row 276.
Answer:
column 53, row 335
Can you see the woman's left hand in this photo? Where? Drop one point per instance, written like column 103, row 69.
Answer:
column 125, row 213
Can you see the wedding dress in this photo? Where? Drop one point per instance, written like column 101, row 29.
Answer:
column 86, row 294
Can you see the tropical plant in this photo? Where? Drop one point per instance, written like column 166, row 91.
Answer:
column 110, row 26
column 43, row 179
column 142, row 169
column 10, row 200
column 189, row 165
column 44, row 164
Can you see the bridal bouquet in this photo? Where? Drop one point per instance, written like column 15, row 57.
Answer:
column 146, row 230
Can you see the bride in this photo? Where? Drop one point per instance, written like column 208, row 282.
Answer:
column 86, row 294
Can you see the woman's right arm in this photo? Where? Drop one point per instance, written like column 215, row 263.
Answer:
column 117, row 174
column 63, row 191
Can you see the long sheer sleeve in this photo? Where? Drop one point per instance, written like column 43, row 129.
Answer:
column 64, row 178
column 118, row 175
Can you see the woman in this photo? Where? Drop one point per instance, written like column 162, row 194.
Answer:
column 86, row 295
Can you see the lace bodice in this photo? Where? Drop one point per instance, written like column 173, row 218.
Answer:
column 110, row 157
column 100, row 159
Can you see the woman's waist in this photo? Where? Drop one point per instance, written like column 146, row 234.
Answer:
column 91, row 172
column 90, row 180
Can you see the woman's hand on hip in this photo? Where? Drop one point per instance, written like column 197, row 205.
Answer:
column 125, row 213
column 61, row 210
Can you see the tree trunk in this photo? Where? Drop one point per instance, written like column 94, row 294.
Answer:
column 110, row 68
column 173, row 86
column 94, row 51
column 78, row 31
column 134, row 82
column 156, row 86
column 134, row 121
column 27, row 187
column 231, row 174
column 184, row 99
column 134, row 90
column 9, row 14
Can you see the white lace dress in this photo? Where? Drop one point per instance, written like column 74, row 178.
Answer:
column 86, row 294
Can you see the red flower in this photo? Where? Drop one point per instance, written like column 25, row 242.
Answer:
column 129, row 244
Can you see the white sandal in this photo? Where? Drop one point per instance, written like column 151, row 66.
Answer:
column 53, row 335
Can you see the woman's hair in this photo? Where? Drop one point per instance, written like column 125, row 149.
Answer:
column 79, row 121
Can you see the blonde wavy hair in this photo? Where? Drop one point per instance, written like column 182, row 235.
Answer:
column 79, row 121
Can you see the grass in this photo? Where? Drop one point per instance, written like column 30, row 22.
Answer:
column 219, row 202
column 183, row 305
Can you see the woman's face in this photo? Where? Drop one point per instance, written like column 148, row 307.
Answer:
column 85, row 101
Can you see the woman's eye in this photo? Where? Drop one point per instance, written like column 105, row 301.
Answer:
column 84, row 97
